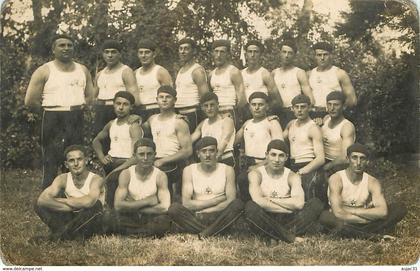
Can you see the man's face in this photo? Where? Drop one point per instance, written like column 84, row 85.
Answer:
column 335, row 108
column 210, row 108
column 111, row 56
column 258, row 107
column 63, row 49
column 75, row 162
column 301, row 111
column 165, row 100
column 358, row 162
column 145, row 156
column 276, row 159
column 287, row 55
column 323, row 58
column 220, row 55
column 207, row 155
column 146, row 56
column 185, row 52
column 253, row 55
column 122, row 107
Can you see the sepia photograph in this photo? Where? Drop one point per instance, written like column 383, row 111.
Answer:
column 235, row 133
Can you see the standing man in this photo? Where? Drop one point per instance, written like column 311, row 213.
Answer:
column 150, row 77
column 338, row 134
column 358, row 206
column 326, row 78
column 191, row 82
column 226, row 81
column 142, row 197
column 60, row 88
column 290, row 81
column 208, row 194
column 256, row 134
column 257, row 78
column 277, row 208
column 115, row 77
column 79, row 213
column 217, row 126
column 122, row 134
column 306, row 148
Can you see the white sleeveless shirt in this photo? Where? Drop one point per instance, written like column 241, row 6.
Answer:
column 121, row 141
column 287, row 84
column 187, row 90
column 140, row 189
column 110, row 83
column 72, row 191
column 164, row 136
column 301, row 146
column 333, row 143
column 257, row 136
column 354, row 195
column 216, row 130
column 253, row 82
column 274, row 187
column 64, row 88
column 223, row 87
column 208, row 186
column 148, row 85
column 322, row 83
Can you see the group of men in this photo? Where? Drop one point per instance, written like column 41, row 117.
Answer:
column 289, row 172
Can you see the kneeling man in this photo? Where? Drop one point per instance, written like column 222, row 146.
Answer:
column 79, row 213
column 278, row 207
column 358, row 206
column 142, row 197
column 208, row 194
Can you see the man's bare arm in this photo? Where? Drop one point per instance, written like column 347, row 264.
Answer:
column 347, row 87
column 96, row 186
column 304, row 85
column 200, row 79
column 297, row 196
column 36, row 87
column 164, row 77
column 163, row 196
column 89, row 89
column 316, row 136
column 130, row 83
column 238, row 82
column 48, row 197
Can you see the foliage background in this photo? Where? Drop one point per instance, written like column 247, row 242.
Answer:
column 375, row 43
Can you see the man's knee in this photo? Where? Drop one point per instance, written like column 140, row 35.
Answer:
column 251, row 208
column 237, row 205
column 315, row 205
column 175, row 209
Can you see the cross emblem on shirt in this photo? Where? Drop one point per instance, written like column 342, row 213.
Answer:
column 293, row 138
column 208, row 190
column 115, row 138
column 353, row 202
column 283, row 85
column 274, row 194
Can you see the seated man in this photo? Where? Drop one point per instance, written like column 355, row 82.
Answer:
column 217, row 126
column 142, row 197
column 277, row 208
column 358, row 207
column 122, row 134
column 208, row 194
column 79, row 213
column 256, row 133
column 306, row 148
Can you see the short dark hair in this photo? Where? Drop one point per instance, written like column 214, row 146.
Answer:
column 291, row 44
column 75, row 148
column 301, row 99
column 189, row 41
column 147, row 142
column 278, row 145
column 336, row 95
column 357, row 147
column 256, row 43
column 112, row 44
column 218, row 43
column 258, row 94
column 61, row 36
column 205, row 142
column 208, row 96
column 323, row 46
column 147, row 44
column 126, row 95
column 167, row 89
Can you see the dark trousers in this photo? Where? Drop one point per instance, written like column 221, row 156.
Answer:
column 103, row 115
column 333, row 225
column 60, row 129
column 313, row 183
column 173, row 172
column 283, row 226
column 136, row 223
column 205, row 224
column 242, row 179
column 192, row 118
column 70, row 225
column 112, row 180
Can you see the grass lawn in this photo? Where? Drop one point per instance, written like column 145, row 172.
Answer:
column 18, row 222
